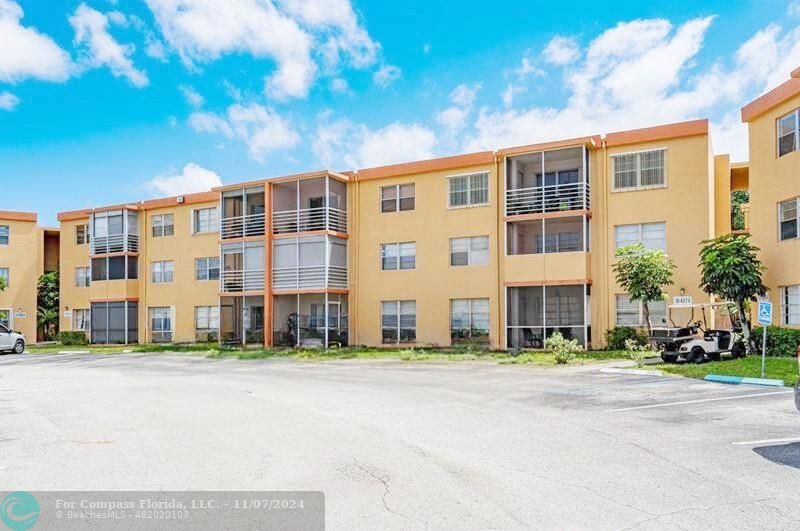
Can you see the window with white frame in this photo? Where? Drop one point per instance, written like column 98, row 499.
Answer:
column 82, row 277
column 790, row 305
column 468, row 190
column 163, row 225
column 397, row 197
column 81, row 234
column 161, row 323
column 81, row 320
column 5, row 274
column 399, row 321
column 469, row 320
column 788, row 219
column 162, row 272
column 398, row 256
column 206, row 268
column 206, row 322
column 469, row 251
column 205, row 220
column 4, row 234
column 644, row 169
column 789, row 133
column 631, row 313
column 651, row 235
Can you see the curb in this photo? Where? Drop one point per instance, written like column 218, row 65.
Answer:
column 73, row 352
column 736, row 380
column 641, row 372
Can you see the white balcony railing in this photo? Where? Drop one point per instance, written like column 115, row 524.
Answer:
column 115, row 243
column 309, row 277
column 309, row 219
column 238, row 281
column 242, row 226
column 553, row 198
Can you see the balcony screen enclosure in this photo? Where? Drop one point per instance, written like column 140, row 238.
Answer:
column 115, row 322
column 537, row 312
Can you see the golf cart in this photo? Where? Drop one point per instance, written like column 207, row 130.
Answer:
column 695, row 342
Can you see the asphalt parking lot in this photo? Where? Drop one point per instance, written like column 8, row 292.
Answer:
column 410, row 446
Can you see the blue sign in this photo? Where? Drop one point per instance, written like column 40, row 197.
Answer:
column 764, row 313
column 19, row 511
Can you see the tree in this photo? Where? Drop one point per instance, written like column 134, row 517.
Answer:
column 2, row 283
column 732, row 271
column 643, row 274
column 47, row 302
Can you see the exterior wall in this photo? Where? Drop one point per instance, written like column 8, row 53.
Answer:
column 434, row 282
column 72, row 256
column 686, row 205
column 772, row 180
column 184, row 293
column 722, row 194
column 24, row 257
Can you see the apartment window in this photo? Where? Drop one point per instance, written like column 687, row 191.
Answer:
column 163, row 225
column 5, row 274
column 469, row 321
column 206, row 322
column 469, row 251
column 206, row 268
column 788, row 219
column 82, row 277
column 162, row 272
column 161, row 324
column 81, row 234
column 115, row 268
column 644, row 169
column 789, row 133
column 81, row 320
column 631, row 313
column 399, row 321
column 397, row 197
column 4, row 234
column 790, row 305
column 398, row 256
column 651, row 235
column 205, row 220
column 468, row 190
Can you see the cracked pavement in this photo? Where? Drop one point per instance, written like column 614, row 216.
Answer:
column 397, row 445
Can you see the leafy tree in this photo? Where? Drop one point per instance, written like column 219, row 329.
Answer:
column 47, row 302
column 2, row 283
column 732, row 271
column 738, row 198
column 643, row 274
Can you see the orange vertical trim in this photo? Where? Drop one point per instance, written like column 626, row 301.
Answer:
column 268, row 265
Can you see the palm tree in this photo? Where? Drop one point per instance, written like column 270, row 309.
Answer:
column 47, row 319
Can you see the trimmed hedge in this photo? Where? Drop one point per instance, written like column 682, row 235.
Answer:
column 72, row 338
column 781, row 342
column 616, row 337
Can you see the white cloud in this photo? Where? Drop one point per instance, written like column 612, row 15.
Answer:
column 340, row 85
column 454, row 118
column 426, row 48
column 8, row 101
column 27, row 53
column 344, row 143
column 512, row 89
column 99, row 48
column 261, row 128
column 794, row 8
column 193, row 97
column 386, row 75
column 193, row 178
column 464, row 95
column 561, row 50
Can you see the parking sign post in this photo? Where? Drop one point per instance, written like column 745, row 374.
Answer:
column 764, row 319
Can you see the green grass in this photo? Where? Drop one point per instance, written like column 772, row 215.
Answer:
column 94, row 349
column 778, row 368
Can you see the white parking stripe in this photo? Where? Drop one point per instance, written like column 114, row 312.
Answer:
column 668, row 404
column 767, row 441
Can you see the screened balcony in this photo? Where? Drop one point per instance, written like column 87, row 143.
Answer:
column 243, row 267
column 241, row 320
column 537, row 312
column 555, row 235
column 306, row 205
column 115, row 231
column 243, row 213
column 310, row 320
column 547, row 181
column 311, row 262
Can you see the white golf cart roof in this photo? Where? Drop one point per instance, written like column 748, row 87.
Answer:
column 703, row 305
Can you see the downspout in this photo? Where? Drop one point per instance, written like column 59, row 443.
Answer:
column 502, row 342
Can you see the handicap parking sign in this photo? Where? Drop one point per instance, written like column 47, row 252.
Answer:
column 764, row 313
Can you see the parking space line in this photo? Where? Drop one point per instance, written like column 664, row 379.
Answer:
column 698, row 401
column 767, row 441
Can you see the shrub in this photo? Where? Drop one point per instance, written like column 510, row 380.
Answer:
column 638, row 352
column 72, row 338
column 781, row 342
column 617, row 336
column 564, row 350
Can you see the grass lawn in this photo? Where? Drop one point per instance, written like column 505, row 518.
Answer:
column 778, row 368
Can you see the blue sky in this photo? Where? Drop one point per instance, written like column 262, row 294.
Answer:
column 104, row 102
